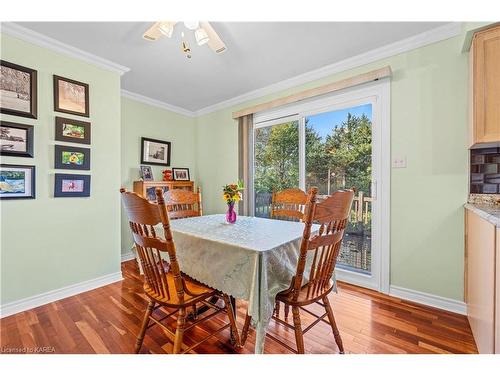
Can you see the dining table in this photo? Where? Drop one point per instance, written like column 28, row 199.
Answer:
column 253, row 259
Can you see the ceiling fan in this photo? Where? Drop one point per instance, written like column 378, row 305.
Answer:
column 203, row 32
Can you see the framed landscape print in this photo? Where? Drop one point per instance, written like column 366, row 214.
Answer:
column 69, row 130
column 155, row 152
column 66, row 157
column 71, row 96
column 71, row 185
column 17, row 181
column 16, row 139
column 181, row 174
column 18, row 86
column 146, row 173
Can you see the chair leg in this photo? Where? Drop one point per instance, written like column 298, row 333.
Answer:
column 331, row 319
column 277, row 308
column 287, row 310
column 232, row 321
column 179, row 331
column 145, row 322
column 246, row 327
column 298, row 330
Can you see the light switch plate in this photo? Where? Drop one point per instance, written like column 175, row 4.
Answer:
column 399, row 162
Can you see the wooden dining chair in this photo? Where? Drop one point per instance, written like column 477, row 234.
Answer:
column 332, row 215
column 183, row 203
column 164, row 283
column 288, row 204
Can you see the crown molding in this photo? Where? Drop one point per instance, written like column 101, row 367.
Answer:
column 30, row 36
column 431, row 36
column 157, row 103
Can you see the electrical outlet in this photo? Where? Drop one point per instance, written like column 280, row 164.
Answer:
column 399, row 162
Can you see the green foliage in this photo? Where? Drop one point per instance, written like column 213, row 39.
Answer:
column 345, row 153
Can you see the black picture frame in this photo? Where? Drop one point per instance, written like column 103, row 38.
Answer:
column 146, row 173
column 29, row 129
column 57, row 96
column 174, row 170
column 147, row 159
column 62, row 122
column 59, row 163
column 60, row 192
column 3, row 180
column 33, row 105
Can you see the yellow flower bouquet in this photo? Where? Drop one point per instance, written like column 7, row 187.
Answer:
column 232, row 194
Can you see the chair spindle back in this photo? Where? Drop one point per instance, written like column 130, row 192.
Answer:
column 183, row 203
column 143, row 216
column 288, row 205
column 332, row 215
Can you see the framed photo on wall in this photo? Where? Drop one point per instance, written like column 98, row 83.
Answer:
column 71, row 96
column 66, row 157
column 181, row 174
column 155, row 152
column 16, row 139
column 17, row 181
column 71, row 185
column 69, row 130
column 18, row 86
column 147, row 173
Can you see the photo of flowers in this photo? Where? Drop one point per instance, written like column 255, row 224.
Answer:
column 71, row 158
column 17, row 181
column 71, row 185
column 69, row 130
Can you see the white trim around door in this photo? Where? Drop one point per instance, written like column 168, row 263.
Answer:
column 378, row 95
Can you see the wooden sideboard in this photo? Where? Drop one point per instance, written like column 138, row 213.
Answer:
column 147, row 188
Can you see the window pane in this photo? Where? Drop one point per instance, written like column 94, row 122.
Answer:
column 338, row 156
column 276, row 150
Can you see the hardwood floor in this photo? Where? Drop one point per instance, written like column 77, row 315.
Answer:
column 106, row 320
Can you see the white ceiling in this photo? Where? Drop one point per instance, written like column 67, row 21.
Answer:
column 258, row 54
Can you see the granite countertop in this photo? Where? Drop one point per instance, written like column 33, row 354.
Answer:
column 488, row 212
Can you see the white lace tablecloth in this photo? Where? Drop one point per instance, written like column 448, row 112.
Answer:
column 253, row 259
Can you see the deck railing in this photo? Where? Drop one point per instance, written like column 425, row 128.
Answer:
column 360, row 211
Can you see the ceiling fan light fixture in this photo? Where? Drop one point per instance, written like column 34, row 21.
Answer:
column 192, row 25
column 201, row 36
column 166, row 28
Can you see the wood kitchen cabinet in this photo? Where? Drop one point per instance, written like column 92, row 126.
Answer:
column 485, row 87
column 482, row 282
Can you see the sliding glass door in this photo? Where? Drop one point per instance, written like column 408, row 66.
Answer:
column 333, row 144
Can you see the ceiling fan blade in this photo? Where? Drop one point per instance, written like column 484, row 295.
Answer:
column 214, row 42
column 153, row 33
column 158, row 30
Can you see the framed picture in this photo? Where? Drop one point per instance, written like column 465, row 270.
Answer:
column 69, row 130
column 146, row 173
column 71, row 185
column 155, row 152
column 16, row 139
column 181, row 174
column 17, row 181
column 66, row 157
column 18, row 90
column 71, row 96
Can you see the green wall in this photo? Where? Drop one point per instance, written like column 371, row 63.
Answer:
column 428, row 126
column 143, row 120
column 48, row 243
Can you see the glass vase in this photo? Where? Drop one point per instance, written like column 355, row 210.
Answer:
column 231, row 213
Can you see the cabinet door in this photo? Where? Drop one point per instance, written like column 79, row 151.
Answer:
column 497, row 296
column 481, row 245
column 486, row 85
